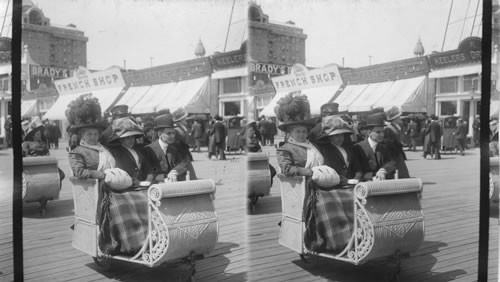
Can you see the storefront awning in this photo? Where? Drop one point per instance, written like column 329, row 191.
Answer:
column 316, row 96
column 371, row 95
column 133, row 95
column 406, row 94
column 28, row 108
column 106, row 97
column 349, row 94
column 458, row 71
column 234, row 72
column 192, row 94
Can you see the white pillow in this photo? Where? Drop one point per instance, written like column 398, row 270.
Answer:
column 325, row 176
column 117, row 178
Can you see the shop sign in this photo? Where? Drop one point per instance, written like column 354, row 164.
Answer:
column 169, row 73
column 469, row 51
column 302, row 78
column 39, row 75
column 5, row 50
column 228, row 60
column 384, row 72
column 85, row 81
column 269, row 68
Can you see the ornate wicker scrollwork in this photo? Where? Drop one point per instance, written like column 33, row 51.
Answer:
column 158, row 234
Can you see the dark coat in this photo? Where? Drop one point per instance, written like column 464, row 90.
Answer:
column 334, row 159
column 126, row 161
column 160, row 164
column 412, row 130
column 435, row 132
column 196, row 130
column 392, row 141
column 366, row 163
column 461, row 132
column 219, row 132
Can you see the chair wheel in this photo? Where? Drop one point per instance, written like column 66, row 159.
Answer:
column 305, row 258
column 103, row 262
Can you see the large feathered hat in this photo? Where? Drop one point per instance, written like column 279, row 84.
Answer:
column 34, row 126
column 84, row 112
column 294, row 109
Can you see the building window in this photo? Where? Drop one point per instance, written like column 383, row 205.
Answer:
column 471, row 83
column 232, row 108
column 231, row 85
column 448, row 85
column 448, row 108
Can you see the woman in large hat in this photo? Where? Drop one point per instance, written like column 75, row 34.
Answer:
column 124, row 217
column 34, row 143
column 299, row 157
column 89, row 158
column 392, row 140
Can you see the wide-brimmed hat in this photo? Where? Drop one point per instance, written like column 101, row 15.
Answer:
column 119, row 111
column 392, row 113
column 329, row 109
column 294, row 110
column 84, row 112
column 334, row 125
column 125, row 127
column 34, row 126
column 493, row 122
column 164, row 121
column 180, row 114
column 375, row 120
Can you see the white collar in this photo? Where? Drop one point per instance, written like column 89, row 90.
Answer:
column 163, row 145
column 373, row 144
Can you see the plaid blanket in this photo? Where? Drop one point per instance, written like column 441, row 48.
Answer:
column 329, row 219
column 124, row 222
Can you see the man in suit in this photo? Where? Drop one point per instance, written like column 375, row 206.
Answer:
column 461, row 135
column 371, row 156
column 181, row 142
column 220, row 134
column 165, row 163
column 435, row 132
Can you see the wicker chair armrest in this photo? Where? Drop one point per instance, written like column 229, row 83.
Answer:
column 42, row 160
column 261, row 156
column 181, row 189
column 388, row 187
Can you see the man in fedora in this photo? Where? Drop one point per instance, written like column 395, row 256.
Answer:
column 328, row 109
column 181, row 142
column 392, row 140
column 162, row 155
column 371, row 156
column 435, row 132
